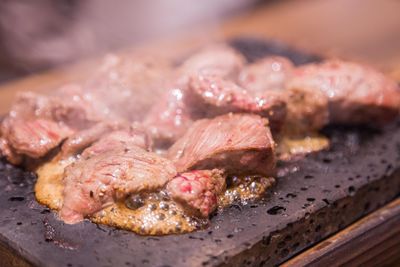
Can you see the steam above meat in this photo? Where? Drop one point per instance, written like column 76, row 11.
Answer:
column 236, row 143
column 93, row 183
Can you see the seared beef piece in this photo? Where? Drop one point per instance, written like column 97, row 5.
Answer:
column 270, row 73
column 218, row 60
column 33, row 138
column 122, row 138
column 7, row 152
column 36, row 124
column 197, row 191
column 82, row 139
column 108, row 134
column 356, row 94
column 169, row 118
column 307, row 110
column 210, row 95
column 67, row 108
column 237, row 143
column 93, row 183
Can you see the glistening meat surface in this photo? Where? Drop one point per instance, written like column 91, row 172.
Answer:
column 210, row 95
column 169, row 118
column 96, row 182
column 109, row 135
column 237, row 143
column 171, row 115
column 217, row 60
column 270, row 73
column 356, row 94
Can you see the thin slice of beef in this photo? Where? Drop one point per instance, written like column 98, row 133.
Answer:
column 270, row 73
column 236, row 143
column 197, row 191
column 93, row 183
column 210, row 96
column 356, row 94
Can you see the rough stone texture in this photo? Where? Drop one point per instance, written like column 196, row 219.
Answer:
column 314, row 197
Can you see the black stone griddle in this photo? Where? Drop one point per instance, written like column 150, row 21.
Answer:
column 314, row 198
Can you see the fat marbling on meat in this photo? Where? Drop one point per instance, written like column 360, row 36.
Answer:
column 197, row 191
column 92, row 183
column 236, row 143
column 353, row 93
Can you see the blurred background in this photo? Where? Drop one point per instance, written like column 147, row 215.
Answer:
column 43, row 34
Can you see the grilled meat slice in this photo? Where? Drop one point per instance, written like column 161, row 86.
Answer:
column 33, row 138
column 356, row 94
column 237, row 143
column 82, row 139
column 220, row 60
column 109, row 134
column 270, row 73
column 212, row 95
column 197, row 191
column 307, row 110
column 36, row 124
column 120, row 138
column 170, row 117
column 93, row 183
column 126, row 86
column 7, row 152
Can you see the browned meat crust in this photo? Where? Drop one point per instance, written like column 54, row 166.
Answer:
column 355, row 94
column 94, row 182
column 237, row 143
